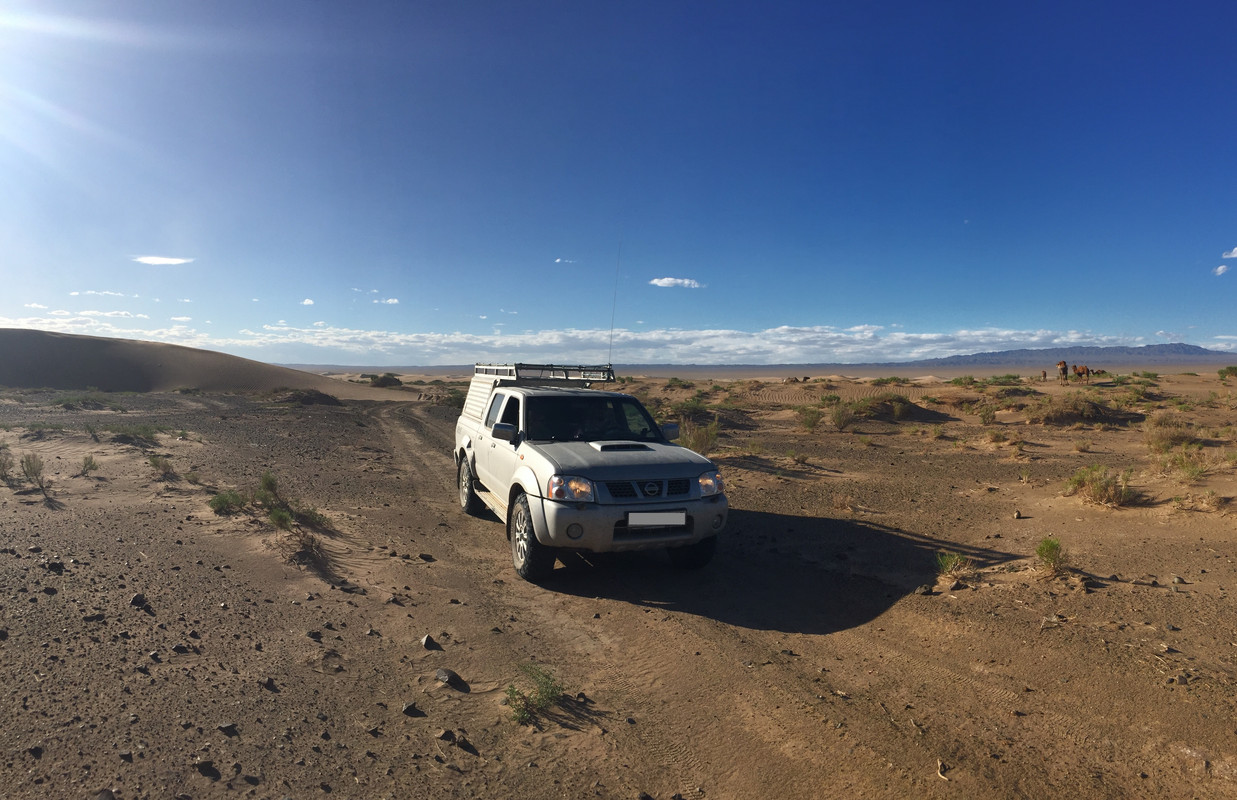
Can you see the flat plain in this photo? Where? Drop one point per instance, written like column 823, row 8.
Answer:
column 877, row 622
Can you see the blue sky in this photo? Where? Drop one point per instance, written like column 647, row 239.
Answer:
column 418, row 183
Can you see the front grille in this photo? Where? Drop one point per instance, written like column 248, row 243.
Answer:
column 648, row 489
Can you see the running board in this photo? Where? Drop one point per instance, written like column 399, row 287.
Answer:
column 492, row 501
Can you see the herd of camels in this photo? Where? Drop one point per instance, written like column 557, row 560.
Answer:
column 1083, row 373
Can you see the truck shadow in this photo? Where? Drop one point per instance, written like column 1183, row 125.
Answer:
column 777, row 572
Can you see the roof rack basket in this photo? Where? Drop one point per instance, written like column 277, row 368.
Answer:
column 547, row 372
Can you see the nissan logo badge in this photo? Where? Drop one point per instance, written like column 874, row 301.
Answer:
column 652, row 489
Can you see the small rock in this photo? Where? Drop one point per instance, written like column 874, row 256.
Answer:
column 428, row 643
column 956, row 585
column 1017, row 514
column 180, row 649
column 138, row 600
column 426, row 557
column 1177, row 579
column 447, row 676
column 924, row 589
column 410, row 710
column 446, row 735
column 227, row 728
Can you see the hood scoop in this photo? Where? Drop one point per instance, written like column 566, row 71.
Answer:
column 619, row 447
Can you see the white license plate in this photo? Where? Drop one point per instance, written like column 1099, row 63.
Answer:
column 656, row 519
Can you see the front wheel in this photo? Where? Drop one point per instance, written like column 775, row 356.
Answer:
column 693, row 556
column 533, row 561
column 468, row 496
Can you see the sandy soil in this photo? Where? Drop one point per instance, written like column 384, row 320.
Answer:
column 153, row 648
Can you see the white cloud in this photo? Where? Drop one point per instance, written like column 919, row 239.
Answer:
column 1230, row 254
column 112, row 314
column 684, row 283
column 564, row 261
column 1220, row 270
column 35, row 306
column 307, row 302
column 182, row 319
column 256, row 300
column 161, row 261
column 319, row 324
column 184, row 300
column 390, row 301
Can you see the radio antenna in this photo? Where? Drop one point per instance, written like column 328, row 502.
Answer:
column 614, row 303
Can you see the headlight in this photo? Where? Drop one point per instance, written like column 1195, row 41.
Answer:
column 711, row 483
column 570, row 489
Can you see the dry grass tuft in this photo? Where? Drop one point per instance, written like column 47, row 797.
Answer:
column 1098, row 484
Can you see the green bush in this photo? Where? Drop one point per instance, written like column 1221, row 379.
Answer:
column 700, row 438
column 953, row 565
column 842, row 415
column 6, row 462
column 280, row 517
column 32, row 469
column 89, row 465
column 227, row 502
column 1051, row 556
column 1099, row 485
column 809, row 416
column 385, row 380
column 1228, row 372
column 546, row 692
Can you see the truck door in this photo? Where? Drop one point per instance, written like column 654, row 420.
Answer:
column 496, row 458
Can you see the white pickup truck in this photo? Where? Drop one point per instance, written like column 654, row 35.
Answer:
column 572, row 468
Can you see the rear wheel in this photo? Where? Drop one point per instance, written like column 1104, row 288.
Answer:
column 468, row 496
column 532, row 560
column 693, row 556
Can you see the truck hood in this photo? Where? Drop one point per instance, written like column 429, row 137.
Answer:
column 622, row 460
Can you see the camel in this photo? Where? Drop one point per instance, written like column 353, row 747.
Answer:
column 1062, row 371
column 1083, row 373
column 1043, row 375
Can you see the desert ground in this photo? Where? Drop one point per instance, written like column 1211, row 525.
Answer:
column 877, row 622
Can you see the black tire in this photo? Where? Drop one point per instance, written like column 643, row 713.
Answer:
column 693, row 556
column 532, row 560
column 468, row 496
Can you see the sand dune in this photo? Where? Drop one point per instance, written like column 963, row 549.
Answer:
column 42, row 359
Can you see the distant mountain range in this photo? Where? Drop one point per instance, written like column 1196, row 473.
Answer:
column 1109, row 358
column 1104, row 357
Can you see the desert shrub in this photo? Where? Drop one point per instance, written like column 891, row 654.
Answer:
column 1067, row 409
column 1003, row 380
column 32, row 469
column 1082, row 445
column 1165, row 430
column 6, row 463
column 938, row 432
column 547, row 690
column 1099, row 485
column 1051, row 556
column 891, row 380
column 954, row 565
column 227, row 502
column 830, row 399
column 842, row 415
column 679, row 383
column 454, row 398
column 1151, row 376
column 1188, row 462
column 385, row 380
column 987, row 414
column 308, row 515
column 280, row 517
column 89, row 465
column 997, row 436
column 701, row 438
column 691, row 407
column 809, row 416
column 193, row 477
column 1228, row 372
column 140, row 435
column 963, row 380
column 163, row 466
column 886, row 405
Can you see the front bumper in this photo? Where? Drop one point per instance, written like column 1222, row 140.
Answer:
column 599, row 528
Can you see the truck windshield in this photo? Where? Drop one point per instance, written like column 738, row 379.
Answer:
column 589, row 419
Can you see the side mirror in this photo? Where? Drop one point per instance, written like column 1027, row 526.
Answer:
column 670, row 430
column 504, row 430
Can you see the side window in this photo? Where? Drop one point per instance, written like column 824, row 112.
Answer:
column 491, row 416
column 511, row 414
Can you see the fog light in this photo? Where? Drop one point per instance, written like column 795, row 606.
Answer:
column 575, row 531
column 718, row 521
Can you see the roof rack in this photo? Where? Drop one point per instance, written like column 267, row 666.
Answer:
column 547, row 372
